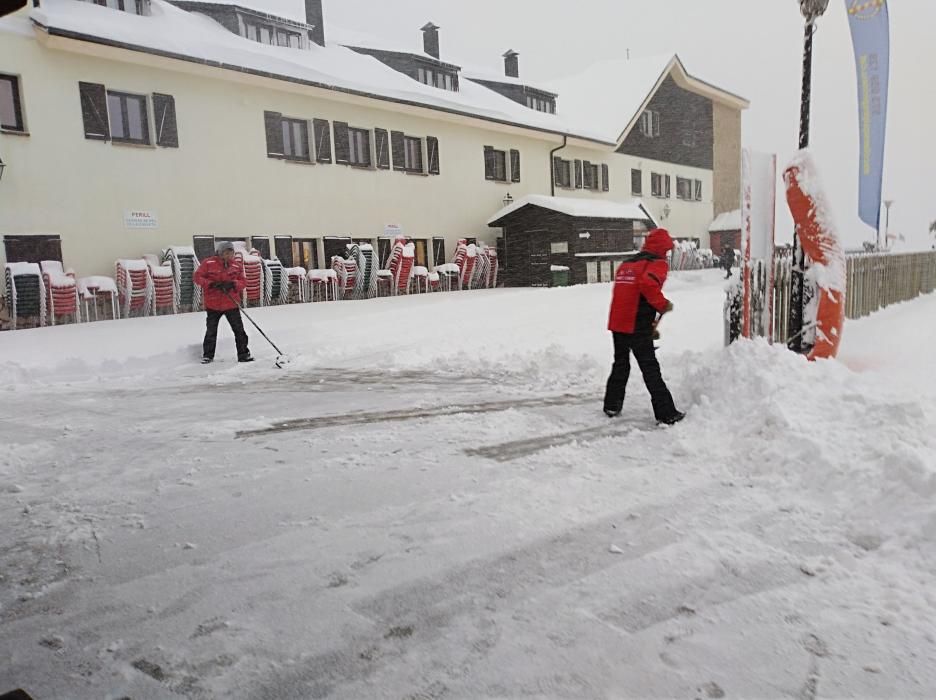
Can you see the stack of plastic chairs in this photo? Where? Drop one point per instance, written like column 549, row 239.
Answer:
column 685, row 256
column 298, row 285
column 365, row 284
column 183, row 262
column 493, row 264
column 253, row 270
column 347, row 273
column 400, row 263
column 435, row 281
column 275, row 283
column 484, row 275
column 61, row 291
column 323, row 285
column 134, row 288
column 98, row 294
column 165, row 290
column 25, row 293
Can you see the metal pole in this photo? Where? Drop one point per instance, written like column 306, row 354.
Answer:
column 799, row 258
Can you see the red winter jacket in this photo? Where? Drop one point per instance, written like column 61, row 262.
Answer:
column 213, row 270
column 638, row 287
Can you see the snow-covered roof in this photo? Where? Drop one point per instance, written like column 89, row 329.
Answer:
column 729, row 221
column 577, row 207
column 290, row 9
column 190, row 36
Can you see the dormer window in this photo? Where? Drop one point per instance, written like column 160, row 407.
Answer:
column 437, row 78
column 134, row 7
column 541, row 104
column 267, row 34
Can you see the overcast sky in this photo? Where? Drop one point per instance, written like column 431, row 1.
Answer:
column 750, row 47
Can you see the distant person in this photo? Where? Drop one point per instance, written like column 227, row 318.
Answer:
column 222, row 277
column 728, row 260
column 637, row 299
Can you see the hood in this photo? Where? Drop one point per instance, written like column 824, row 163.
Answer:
column 658, row 243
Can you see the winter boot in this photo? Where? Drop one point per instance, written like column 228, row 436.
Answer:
column 207, row 360
column 245, row 358
column 673, row 419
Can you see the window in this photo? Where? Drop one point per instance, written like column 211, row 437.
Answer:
column 305, row 253
column 514, row 165
column 295, row 139
column 437, row 79
column 266, row 34
column 11, row 107
column 656, row 184
column 128, row 118
column 650, row 124
column 32, row 248
column 134, row 7
column 288, row 39
column 421, row 246
column 359, row 147
column 636, row 182
column 541, row 104
column 559, row 248
column 413, row 160
column 382, row 148
column 698, row 190
column 495, row 164
column 438, row 250
column 204, row 246
column 683, row 188
column 591, row 176
column 563, row 172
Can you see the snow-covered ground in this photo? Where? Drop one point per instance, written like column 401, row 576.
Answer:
column 465, row 523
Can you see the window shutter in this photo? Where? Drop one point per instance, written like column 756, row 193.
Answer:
column 167, row 130
column 557, row 170
column 668, row 190
column 94, row 111
column 656, row 123
column 282, row 245
column 382, row 148
column 579, row 180
column 432, row 144
column 636, row 182
column 698, row 190
column 605, row 185
column 489, row 165
column 514, row 165
column 274, row 134
column 342, row 144
column 398, row 144
column 322, row 133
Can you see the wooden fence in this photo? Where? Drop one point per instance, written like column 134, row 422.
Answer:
column 874, row 281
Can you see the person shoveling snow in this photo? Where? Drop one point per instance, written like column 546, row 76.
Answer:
column 223, row 279
column 637, row 299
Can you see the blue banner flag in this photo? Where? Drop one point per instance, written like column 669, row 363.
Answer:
column 870, row 30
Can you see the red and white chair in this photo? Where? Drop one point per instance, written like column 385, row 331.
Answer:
column 347, row 272
column 299, row 290
column 165, row 289
column 449, row 276
column 134, row 288
column 420, row 280
column 400, row 263
column 61, row 292
column 253, row 271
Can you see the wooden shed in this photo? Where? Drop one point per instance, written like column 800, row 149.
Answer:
column 589, row 237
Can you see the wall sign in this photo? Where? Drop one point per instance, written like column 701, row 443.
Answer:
column 139, row 218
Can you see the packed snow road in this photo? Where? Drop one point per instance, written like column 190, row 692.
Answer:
column 428, row 503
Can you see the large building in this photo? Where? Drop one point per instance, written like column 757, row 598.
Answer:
column 127, row 126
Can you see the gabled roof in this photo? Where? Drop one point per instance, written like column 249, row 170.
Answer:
column 729, row 221
column 611, row 95
column 577, row 207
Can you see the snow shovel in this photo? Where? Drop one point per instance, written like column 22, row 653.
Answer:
column 281, row 359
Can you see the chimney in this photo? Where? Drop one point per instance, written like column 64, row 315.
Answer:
column 316, row 18
column 512, row 64
column 431, row 39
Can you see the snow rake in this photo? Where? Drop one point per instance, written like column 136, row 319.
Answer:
column 281, row 358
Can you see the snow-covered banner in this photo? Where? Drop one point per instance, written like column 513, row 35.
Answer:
column 870, row 30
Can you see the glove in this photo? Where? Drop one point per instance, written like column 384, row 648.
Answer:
column 669, row 307
column 226, row 286
column 217, row 285
column 656, row 334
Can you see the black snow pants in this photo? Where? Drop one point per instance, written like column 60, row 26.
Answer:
column 234, row 319
column 641, row 344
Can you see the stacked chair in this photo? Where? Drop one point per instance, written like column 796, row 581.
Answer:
column 183, row 262
column 99, row 297
column 134, row 288
column 275, row 283
column 323, row 285
column 25, row 294
column 61, row 293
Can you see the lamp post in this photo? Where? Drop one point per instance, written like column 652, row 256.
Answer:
column 887, row 205
column 508, row 200
column 811, row 10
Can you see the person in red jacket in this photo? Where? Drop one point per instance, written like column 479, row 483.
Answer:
column 637, row 300
column 222, row 277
